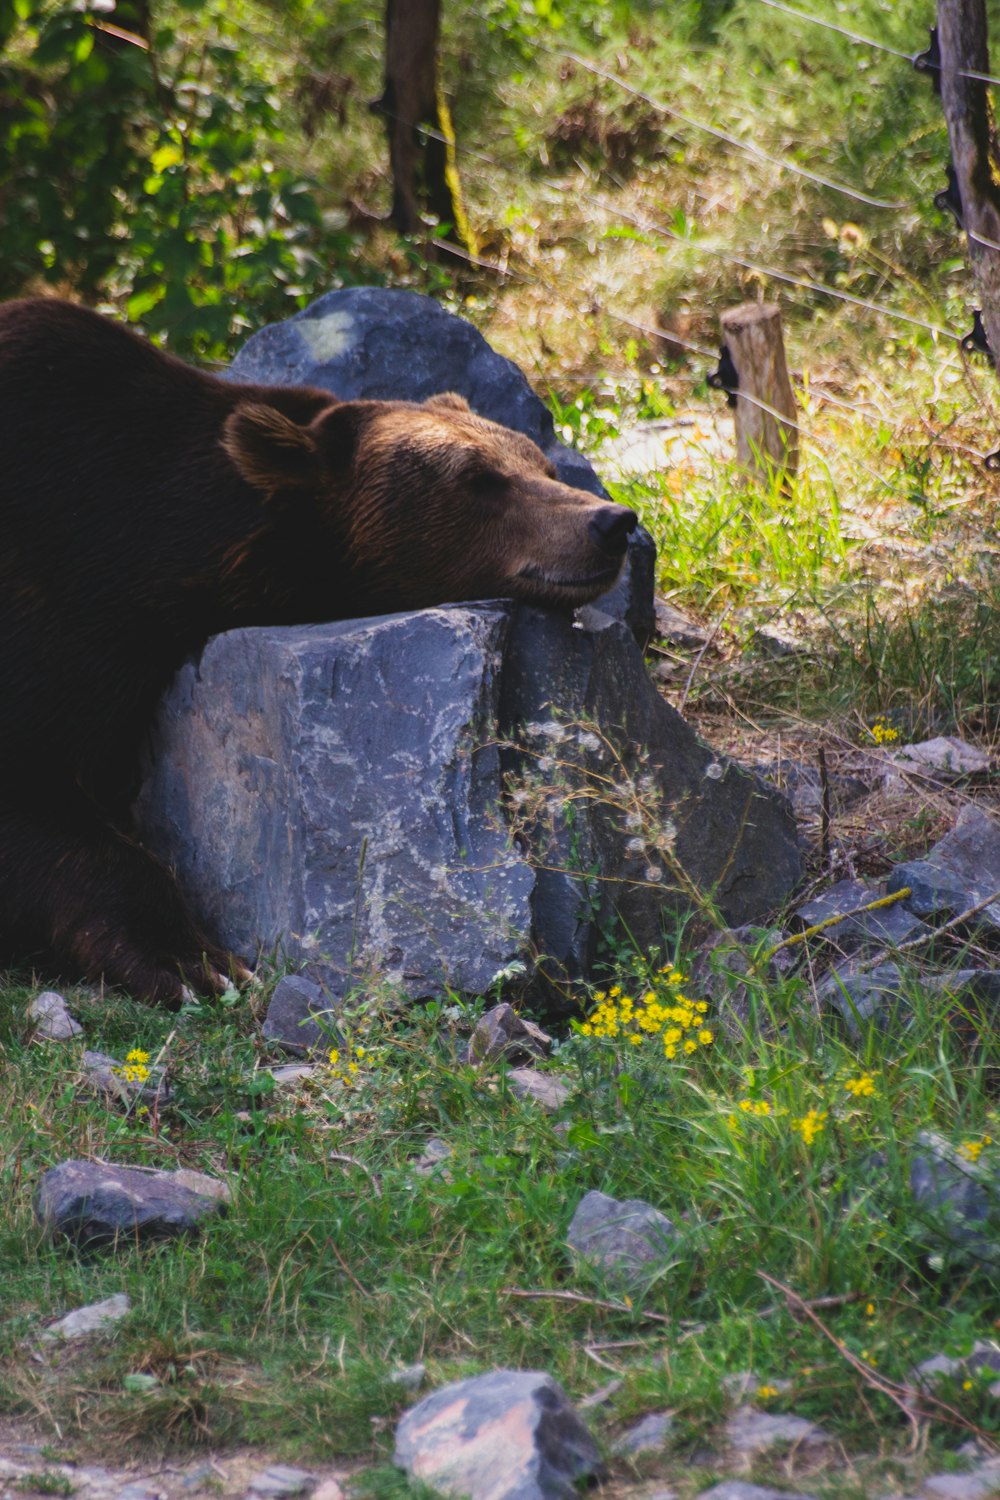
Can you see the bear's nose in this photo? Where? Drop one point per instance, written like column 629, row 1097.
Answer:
column 612, row 526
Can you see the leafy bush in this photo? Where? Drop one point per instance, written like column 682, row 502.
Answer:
column 136, row 163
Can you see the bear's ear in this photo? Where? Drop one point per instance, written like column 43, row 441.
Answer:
column 270, row 450
column 448, row 401
column 336, row 432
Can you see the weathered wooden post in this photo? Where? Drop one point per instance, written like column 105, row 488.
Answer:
column 962, row 38
column 767, row 432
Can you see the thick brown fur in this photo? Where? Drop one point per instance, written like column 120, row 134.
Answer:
column 146, row 506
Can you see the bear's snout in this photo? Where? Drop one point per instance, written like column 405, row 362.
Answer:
column 611, row 528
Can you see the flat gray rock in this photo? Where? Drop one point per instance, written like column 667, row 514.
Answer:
column 945, row 758
column 984, row 1355
column 99, row 1206
column 106, row 1075
column 648, row 1436
column 979, row 1484
column 83, row 1321
column 508, row 1435
column 958, row 1201
column 751, row 1431
column 386, row 344
column 281, row 1480
column 502, row 1032
column 543, row 1088
column 51, row 1015
column 876, row 996
column 626, row 1239
column 293, row 1075
column 961, row 870
column 431, row 1160
column 300, row 1016
column 736, row 1489
column 885, row 927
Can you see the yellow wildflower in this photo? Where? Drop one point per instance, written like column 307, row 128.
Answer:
column 810, row 1125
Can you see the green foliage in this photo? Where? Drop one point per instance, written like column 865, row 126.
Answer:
column 757, row 1142
column 140, row 165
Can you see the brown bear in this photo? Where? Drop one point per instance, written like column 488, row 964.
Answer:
column 147, row 505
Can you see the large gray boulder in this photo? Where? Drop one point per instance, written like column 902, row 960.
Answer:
column 658, row 822
column 385, row 344
column 340, row 792
column 330, row 791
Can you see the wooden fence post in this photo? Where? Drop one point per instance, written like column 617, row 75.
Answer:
column 962, row 38
column 766, row 421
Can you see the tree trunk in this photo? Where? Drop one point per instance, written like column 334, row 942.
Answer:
column 962, row 37
column 766, row 419
column 421, row 140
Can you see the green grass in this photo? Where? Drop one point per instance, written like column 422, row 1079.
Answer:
column 337, row 1264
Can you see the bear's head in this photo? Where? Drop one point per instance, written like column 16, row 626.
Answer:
column 430, row 503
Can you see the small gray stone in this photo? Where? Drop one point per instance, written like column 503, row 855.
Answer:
column 984, row 1354
column 628, row 1240
column 736, row 1489
column 544, row 1089
column 204, row 1474
column 751, row 1431
column 281, row 1480
column 410, row 1378
column 961, row 870
column 647, row 1436
column 805, row 786
column 748, row 1383
column 435, row 1153
column 53, row 1022
column 291, row 1075
column 958, row 1200
column 601, row 1396
column 85, row 1320
column 97, row 1205
column 300, row 1016
column 501, row 1032
column 140, row 1489
column 676, row 627
column 885, row 927
column 724, row 963
column 106, row 1075
column 943, row 759
column 977, row 1485
column 876, row 996
column 776, row 643
column 508, row 1435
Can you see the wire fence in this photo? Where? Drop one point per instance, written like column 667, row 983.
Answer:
column 663, row 235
